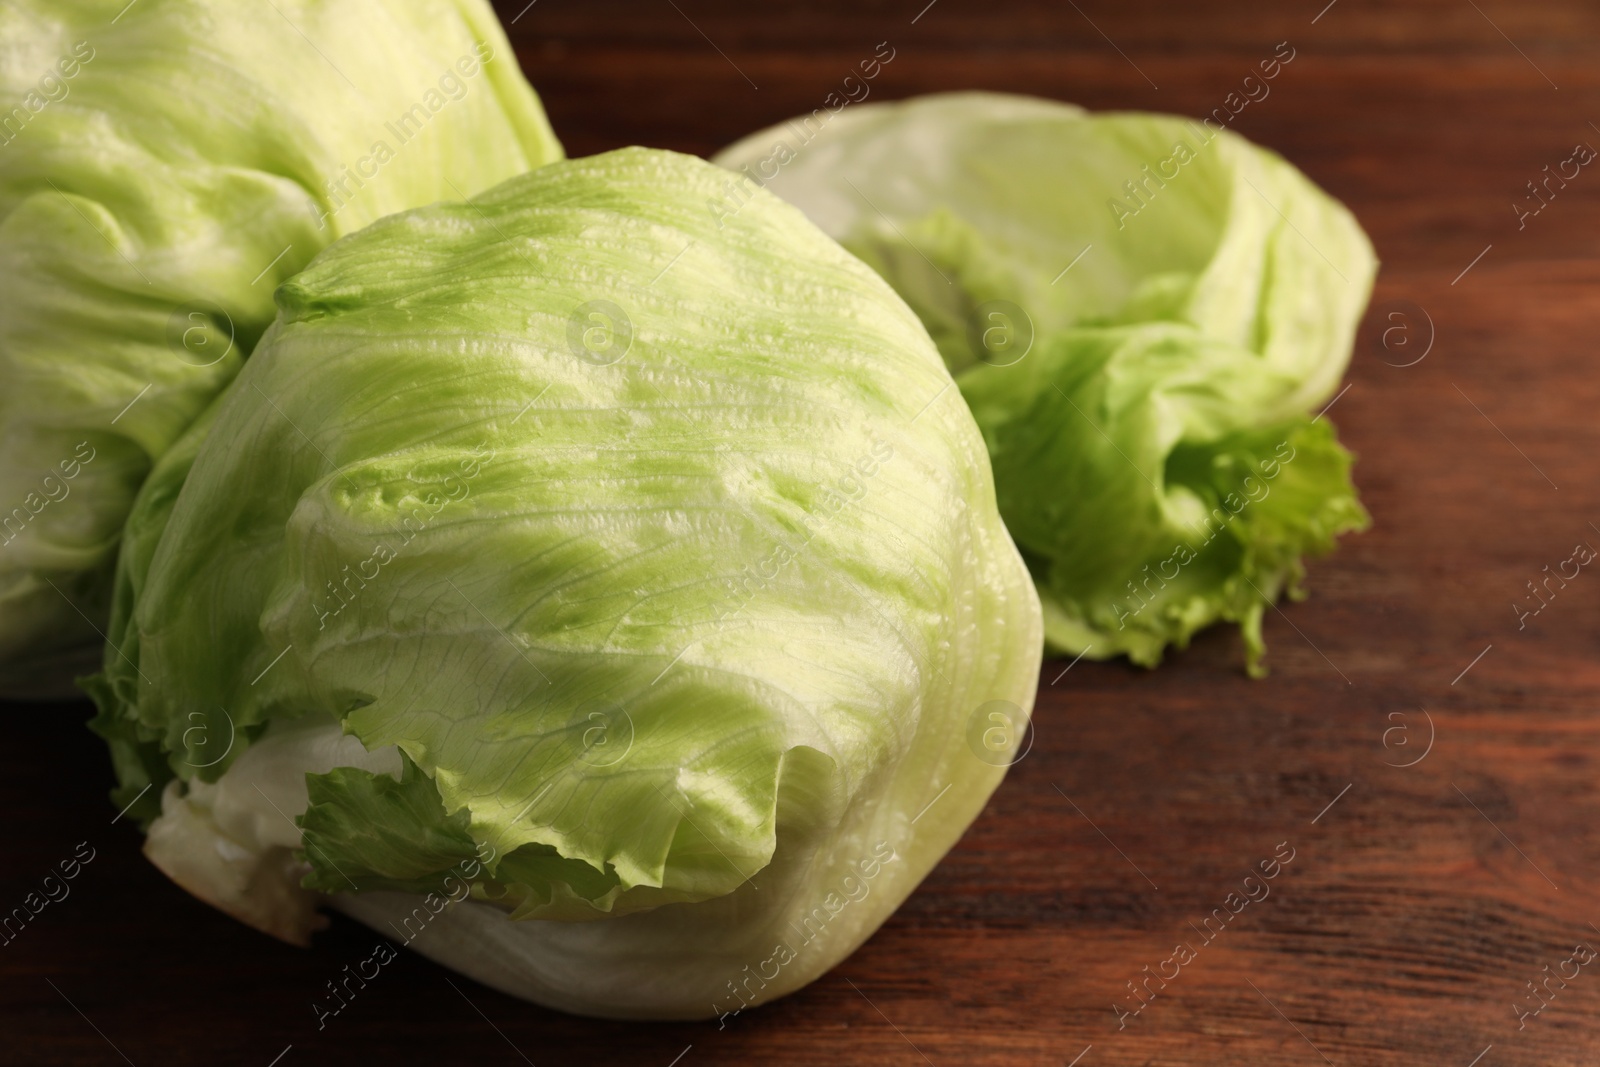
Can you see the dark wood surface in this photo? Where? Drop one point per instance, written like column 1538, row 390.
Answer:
column 1416, row 907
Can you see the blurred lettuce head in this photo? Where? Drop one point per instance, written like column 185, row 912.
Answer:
column 1142, row 311
column 163, row 167
column 637, row 577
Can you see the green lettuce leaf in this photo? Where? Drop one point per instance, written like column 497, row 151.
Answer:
column 163, row 167
column 660, row 557
column 1141, row 310
column 387, row 834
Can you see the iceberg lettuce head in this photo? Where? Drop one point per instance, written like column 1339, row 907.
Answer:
column 1143, row 312
column 163, row 166
column 612, row 604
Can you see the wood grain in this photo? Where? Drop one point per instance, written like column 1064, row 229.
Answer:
column 1416, row 906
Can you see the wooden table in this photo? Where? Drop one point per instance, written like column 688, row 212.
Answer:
column 1420, row 899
